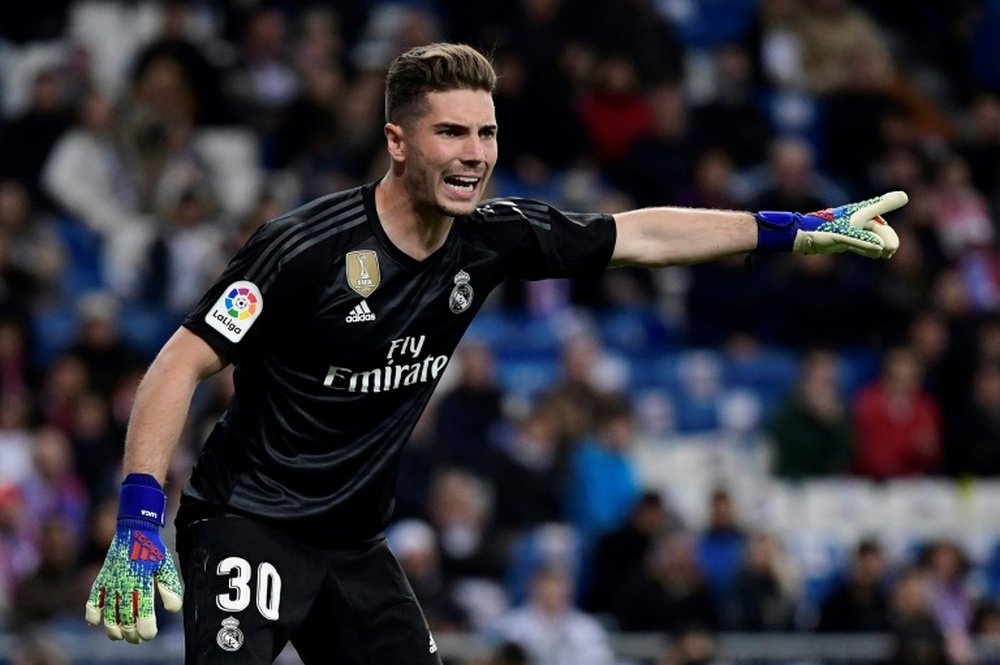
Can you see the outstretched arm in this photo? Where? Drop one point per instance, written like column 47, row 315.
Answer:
column 654, row 237
column 163, row 400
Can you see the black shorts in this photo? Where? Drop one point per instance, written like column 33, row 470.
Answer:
column 250, row 589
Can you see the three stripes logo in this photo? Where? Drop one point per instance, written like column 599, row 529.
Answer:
column 360, row 313
column 144, row 549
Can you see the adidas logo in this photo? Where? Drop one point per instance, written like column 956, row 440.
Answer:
column 360, row 313
column 143, row 549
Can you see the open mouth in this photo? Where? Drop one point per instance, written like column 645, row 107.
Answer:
column 462, row 184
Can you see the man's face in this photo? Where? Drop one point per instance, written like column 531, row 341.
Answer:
column 450, row 151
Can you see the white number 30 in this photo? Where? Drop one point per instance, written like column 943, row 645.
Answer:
column 237, row 570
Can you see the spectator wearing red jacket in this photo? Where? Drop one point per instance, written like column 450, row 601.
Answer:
column 897, row 423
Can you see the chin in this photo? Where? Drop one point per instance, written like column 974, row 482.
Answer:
column 456, row 209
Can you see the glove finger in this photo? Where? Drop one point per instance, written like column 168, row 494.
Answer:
column 879, row 206
column 92, row 614
column 890, row 241
column 131, row 634
column 112, row 618
column 146, row 628
column 171, row 592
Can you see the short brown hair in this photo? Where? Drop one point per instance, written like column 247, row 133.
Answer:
column 433, row 68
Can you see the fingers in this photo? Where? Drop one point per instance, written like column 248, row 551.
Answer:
column 886, row 203
column 890, row 241
column 828, row 242
column 170, row 595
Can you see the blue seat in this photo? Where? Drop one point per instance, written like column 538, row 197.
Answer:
column 54, row 330
column 636, row 330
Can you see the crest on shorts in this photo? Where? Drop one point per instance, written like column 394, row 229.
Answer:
column 230, row 637
column 363, row 273
column 461, row 296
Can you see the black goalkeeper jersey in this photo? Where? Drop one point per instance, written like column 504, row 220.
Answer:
column 338, row 340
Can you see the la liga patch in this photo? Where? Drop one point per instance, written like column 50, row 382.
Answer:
column 236, row 310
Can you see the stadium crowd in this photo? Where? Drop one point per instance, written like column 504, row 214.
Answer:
column 141, row 144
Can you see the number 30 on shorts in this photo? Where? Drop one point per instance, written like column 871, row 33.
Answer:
column 268, row 582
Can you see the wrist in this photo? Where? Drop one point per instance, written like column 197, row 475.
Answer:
column 776, row 231
column 143, row 500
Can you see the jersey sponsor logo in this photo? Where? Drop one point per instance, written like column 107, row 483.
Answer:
column 230, row 637
column 360, row 313
column 236, row 310
column 144, row 549
column 461, row 296
column 363, row 272
column 405, row 366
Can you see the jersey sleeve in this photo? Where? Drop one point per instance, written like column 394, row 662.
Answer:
column 551, row 243
column 256, row 289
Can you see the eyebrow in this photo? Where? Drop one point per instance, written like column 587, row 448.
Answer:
column 456, row 125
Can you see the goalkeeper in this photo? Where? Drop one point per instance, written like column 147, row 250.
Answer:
column 339, row 318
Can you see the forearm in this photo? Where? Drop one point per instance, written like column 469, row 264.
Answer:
column 162, row 403
column 656, row 237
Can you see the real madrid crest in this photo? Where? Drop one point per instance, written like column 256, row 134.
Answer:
column 363, row 273
column 230, row 637
column 461, row 296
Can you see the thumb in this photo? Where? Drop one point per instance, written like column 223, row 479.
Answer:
column 879, row 206
column 170, row 595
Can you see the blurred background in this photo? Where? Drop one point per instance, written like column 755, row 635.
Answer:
column 690, row 466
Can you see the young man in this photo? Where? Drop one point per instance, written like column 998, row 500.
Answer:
column 340, row 318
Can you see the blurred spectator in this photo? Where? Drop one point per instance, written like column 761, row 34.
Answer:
column 200, row 71
column 460, row 508
column 264, row 81
column 53, row 591
column 724, row 302
column 711, row 186
column 619, row 555
column 691, row 647
column 791, row 178
column 601, row 482
column 961, row 214
column 820, row 298
column 27, row 139
column 671, row 594
column 638, row 31
column 835, row 38
column 35, row 246
column 18, row 287
column 106, row 356
column 17, row 371
column 732, row 120
column 53, row 490
column 763, row 597
column 860, row 602
column 951, row 598
column 550, row 628
column 415, row 546
column 918, row 640
column 981, row 148
column 15, row 440
column 90, row 177
column 186, row 255
column 722, row 545
column 528, row 472
column 897, row 424
column 97, row 450
column 66, row 381
column 775, row 45
column 470, row 412
column 811, row 430
column 615, row 113
column 18, row 548
column 654, row 166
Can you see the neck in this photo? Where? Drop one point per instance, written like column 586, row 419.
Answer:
column 416, row 232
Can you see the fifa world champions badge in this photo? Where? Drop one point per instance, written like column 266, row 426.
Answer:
column 230, row 637
column 461, row 296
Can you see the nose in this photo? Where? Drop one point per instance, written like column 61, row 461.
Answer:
column 474, row 151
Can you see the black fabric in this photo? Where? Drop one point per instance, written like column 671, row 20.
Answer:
column 350, row 606
column 323, row 405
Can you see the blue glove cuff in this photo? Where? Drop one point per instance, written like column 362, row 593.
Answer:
column 142, row 499
column 776, row 231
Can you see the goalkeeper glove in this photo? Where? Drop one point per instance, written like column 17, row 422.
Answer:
column 122, row 594
column 855, row 227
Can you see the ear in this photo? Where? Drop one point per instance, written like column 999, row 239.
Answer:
column 395, row 142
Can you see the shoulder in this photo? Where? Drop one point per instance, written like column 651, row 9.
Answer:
column 308, row 225
column 513, row 210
